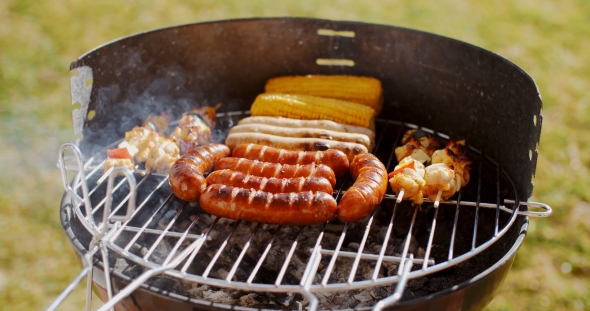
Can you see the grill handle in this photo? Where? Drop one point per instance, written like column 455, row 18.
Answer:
column 547, row 209
column 546, row 213
column 82, row 174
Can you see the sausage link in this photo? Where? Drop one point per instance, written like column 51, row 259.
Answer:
column 333, row 158
column 299, row 209
column 268, row 170
column 272, row 185
column 186, row 174
column 295, row 144
column 368, row 189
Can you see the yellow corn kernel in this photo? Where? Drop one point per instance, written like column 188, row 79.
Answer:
column 356, row 89
column 312, row 108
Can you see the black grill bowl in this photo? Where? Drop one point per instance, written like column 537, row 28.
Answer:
column 429, row 80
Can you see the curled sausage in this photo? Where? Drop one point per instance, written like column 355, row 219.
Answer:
column 368, row 189
column 272, row 185
column 300, row 209
column 335, row 159
column 268, row 170
column 186, row 174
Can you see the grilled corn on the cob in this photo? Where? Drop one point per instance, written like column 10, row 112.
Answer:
column 312, row 108
column 357, row 89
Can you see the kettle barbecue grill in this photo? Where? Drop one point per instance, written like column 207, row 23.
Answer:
column 145, row 249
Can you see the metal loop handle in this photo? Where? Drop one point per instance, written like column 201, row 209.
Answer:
column 548, row 210
column 82, row 174
column 109, row 199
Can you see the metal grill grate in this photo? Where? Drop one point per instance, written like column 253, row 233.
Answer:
column 398, row 242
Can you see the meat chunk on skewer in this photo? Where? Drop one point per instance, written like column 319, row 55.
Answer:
column 455, row 156
column 407, row 180
column 441, row 178
column 162, row 156
column 140, row 141
column 414, row 148
column 448, row 173
column 191, row 132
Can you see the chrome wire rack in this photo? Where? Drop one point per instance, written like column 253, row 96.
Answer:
column 145, row 225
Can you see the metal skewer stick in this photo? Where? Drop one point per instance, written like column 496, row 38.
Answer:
column 437, row 201
column 400, row 196
column 105, row 175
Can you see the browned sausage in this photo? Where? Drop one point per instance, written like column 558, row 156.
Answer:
column 272, row 185
column 333, row 158
column 368, row 189
column 268, row 170
column 186, row 175
column 300, row 209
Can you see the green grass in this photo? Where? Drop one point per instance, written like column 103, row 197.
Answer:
column 39, row 39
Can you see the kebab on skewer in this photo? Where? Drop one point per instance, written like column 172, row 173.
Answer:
column 407, row 178
column 446, row 175
column 148, row 143
column 448, row 172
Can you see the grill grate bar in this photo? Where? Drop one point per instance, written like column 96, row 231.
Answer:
column 200, row 242
column 452, row 244
column 147, row 222
column 315, row 252
column 288, row 259
column 334, row 254
column 365, row 256
column 263, row 257
column 179, row 242
column 430, row 239
column 407, row 243
column 496, row 227
column 476, row 220
column 103, row 201
column 355, row 265
column 170, row 234
column 153, row 247
column 244, row 249
column 392, row 152
column 221, row 248
column 385, row 243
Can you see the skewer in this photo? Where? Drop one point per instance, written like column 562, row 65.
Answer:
column 400, row 196
column 105, row 175
column 437, row 201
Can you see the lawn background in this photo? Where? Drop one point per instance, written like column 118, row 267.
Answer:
column 39, row 39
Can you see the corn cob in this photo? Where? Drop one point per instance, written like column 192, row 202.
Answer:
column 357, row 89
column 312, row 108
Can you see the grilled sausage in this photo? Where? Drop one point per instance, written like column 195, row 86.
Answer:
column 186, row 174
column 335, row 159
column 303, row 132
column 268, row 170
column 368, row 189
column 317, row 124
column 272, row 185
column 300, row 209
column 295, row 144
